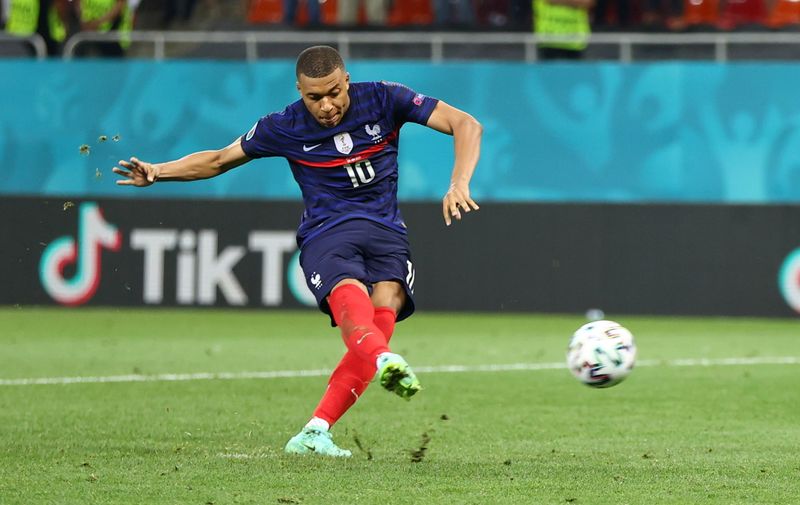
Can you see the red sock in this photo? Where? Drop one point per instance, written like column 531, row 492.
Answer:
column 353, row 312
column 384, row 319
column 344, row 388
column 352, row 376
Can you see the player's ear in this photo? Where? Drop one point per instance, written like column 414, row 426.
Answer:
column 297, row 85
column 347, row 79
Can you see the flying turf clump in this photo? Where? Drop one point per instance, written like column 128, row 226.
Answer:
column 419, row 454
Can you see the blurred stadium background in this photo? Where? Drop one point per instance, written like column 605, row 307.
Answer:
column 624, row 177
column 651, row 171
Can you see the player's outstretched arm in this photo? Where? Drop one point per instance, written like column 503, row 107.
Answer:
column 466, row 132
column 199, row 165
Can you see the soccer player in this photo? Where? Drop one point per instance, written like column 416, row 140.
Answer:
column 341, row 142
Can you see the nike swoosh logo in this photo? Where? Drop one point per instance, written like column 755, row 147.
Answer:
column 308, row 148
column 363, row 337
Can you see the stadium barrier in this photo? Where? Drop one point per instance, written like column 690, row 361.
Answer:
column 447, row 46
column 21, row 46
column 631, row 259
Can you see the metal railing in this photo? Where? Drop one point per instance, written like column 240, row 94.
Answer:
column 35, row 41
column 436, row 42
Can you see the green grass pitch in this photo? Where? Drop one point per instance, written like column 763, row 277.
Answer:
column 722, row 433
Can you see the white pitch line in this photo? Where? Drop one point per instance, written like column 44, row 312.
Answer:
column 323, row 372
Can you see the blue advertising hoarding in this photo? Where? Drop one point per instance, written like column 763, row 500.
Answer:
column 594, row 132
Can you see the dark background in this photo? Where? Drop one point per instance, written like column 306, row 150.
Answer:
column 633, row 259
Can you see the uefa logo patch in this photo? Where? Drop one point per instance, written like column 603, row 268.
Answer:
column 789, row 280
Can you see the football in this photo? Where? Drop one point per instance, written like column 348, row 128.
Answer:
column 601, row 353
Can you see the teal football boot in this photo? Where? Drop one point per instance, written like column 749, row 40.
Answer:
column 315, row 441
column 395, row 375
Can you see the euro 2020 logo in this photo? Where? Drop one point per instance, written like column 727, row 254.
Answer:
column 94, row 234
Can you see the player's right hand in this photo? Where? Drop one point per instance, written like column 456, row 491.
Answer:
column 136, row 172
column 455, row 201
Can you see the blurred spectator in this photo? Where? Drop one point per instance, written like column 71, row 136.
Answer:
column 505, row 14
column 131, row 7
column 411, row 13
column 614, row 14
column 454, row 13
column 48, row 18
column 742, row 13
column 519, row 14
column 563, row 18
column 376, row 12
column 664, row 14
column 179, row 11
column 495, row 14
column 784, row 14
column 290, row 12
column 19, row 17
column 100, row 15
column 701, row 14
column 103, row 16
column 186, row 14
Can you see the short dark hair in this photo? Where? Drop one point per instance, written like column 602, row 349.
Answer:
column 318, row 61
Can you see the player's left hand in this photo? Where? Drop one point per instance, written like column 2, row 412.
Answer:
column 455, row 201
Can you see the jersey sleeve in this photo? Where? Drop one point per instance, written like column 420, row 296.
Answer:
column 261, row 141
column 408, row 105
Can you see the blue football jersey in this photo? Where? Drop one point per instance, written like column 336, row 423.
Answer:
column 348, row 171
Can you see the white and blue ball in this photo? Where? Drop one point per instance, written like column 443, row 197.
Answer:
column 601, row 353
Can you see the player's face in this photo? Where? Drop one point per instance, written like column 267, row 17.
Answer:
column 326, row 97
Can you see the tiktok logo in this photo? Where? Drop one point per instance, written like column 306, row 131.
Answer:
column 789, row 279
column 94, row 234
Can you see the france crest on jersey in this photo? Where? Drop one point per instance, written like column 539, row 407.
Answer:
column 348, row 171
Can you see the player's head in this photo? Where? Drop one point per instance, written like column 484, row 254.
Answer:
column 323, row 83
